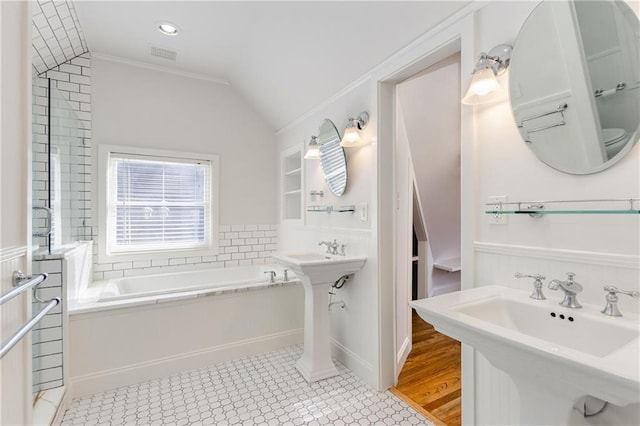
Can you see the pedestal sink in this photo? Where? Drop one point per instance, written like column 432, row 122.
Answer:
column 554, row 355
column 318, row 272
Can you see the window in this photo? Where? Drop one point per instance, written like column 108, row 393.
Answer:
column 159, row 203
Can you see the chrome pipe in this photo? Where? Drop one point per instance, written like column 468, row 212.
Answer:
column 13, row 340
column 31, row 282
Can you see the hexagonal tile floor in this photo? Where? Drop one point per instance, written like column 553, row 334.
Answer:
column 263, row 389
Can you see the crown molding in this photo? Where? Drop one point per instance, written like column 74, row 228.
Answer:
column 160, row 68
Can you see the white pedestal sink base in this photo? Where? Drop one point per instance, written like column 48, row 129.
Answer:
column 316, row 363
column 539, row 406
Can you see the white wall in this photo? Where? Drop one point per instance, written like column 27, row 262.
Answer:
column 139, row 107
column 431, row 109
column 15, row 114
column 599, row 249
column 354, row 330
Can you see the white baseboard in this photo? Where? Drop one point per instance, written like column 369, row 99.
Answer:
column 561, row 255
column 403, row 353
column 141, row 372
column 354, row 362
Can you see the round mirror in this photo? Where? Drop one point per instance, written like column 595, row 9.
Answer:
column 332, row 159
column 575, row 83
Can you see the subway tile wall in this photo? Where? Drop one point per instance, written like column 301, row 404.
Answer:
column 73, row 80
column 239, row 245
column 47, row 336
column 56, row 34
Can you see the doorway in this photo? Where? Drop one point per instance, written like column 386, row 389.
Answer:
column 428, row 234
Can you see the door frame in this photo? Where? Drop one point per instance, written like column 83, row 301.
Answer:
column 455, row 35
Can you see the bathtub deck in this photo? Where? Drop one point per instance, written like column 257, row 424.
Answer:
column 260, row 389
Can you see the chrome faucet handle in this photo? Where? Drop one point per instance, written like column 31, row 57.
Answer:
column 570, row 289
column 272, row 276
column 286, row 275
column 334, row 247
column 611, row 308
column 342, row 247
column 326, row 243
column 537, row 293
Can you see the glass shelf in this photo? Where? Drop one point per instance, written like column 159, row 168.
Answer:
column 540, row 208
column 542, row 211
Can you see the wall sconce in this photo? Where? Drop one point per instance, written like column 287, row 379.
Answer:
column 484, row 86
column 351, row 135
column 313, row 152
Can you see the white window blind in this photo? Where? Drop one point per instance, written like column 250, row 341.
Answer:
column 158, row 203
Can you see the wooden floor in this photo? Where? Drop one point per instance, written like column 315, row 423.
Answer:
column 431, row 376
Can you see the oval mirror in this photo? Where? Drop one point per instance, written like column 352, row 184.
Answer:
column 332, row 159
column 575, row 83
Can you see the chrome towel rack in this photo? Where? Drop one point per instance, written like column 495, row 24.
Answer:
column 601, row 92
column 11, row 342
column 21, row 287
column 559, row 110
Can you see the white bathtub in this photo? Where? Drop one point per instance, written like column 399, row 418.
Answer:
column 129, row 291
column 129, row 330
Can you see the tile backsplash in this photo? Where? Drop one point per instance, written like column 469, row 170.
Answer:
column 239, row 245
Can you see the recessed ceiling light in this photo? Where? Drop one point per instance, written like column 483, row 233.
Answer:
column 167, row 28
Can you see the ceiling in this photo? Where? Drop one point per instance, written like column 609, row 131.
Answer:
column 284, row 58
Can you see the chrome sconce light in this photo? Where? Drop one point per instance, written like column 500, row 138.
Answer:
column 351, row 136
column 313, row 152
column 484, row 87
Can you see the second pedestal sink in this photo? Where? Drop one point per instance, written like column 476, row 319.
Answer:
column 554, row 355
column 318, row 273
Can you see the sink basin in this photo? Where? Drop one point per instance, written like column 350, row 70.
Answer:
column 320, row 267
column 555, row 355
column 597, row 337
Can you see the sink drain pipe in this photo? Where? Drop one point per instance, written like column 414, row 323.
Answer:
column 338, row 285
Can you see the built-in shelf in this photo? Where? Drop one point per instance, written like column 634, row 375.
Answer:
column 449, row 265
column 539, row 208
column 291, row 184
column 293, row 172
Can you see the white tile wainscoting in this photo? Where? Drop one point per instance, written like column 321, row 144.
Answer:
column 263, row 389
column 496, row 398
column 239, row 245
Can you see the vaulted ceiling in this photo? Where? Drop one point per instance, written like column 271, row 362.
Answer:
column 283, row 57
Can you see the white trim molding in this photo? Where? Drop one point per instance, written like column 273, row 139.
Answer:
column 354, row 362
column 160, row 68
column 147, row 370
column 563, row 255
column 10, row 253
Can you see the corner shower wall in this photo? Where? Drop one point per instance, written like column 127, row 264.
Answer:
column 60, row 177
column 58, row 148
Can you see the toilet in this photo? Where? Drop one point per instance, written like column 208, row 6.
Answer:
column 614, row 140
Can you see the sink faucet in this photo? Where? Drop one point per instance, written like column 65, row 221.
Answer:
column 537, row 285
column 570, row 288
column 611, row 309
column 332, row 247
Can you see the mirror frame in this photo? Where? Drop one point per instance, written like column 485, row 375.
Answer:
column 633, row 137
column 333, row 160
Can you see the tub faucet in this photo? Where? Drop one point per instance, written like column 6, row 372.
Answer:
column 272, row 276
column 570, row 288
